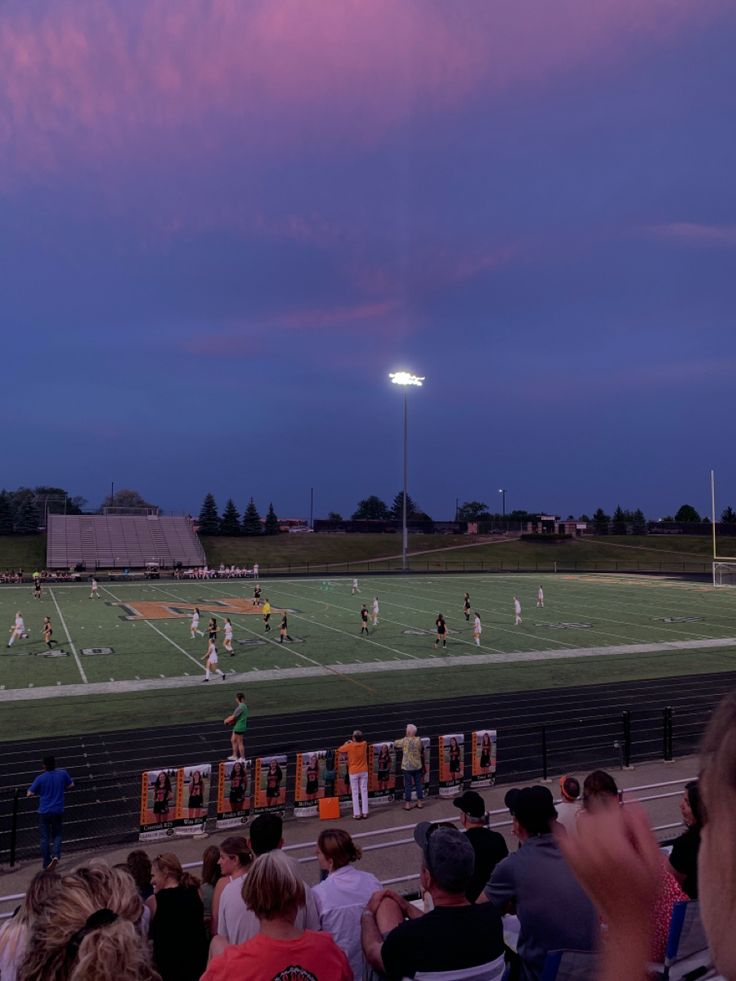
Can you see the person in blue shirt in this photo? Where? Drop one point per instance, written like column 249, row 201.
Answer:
column 50, row 786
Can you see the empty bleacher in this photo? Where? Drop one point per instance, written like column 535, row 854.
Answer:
column 105, row 541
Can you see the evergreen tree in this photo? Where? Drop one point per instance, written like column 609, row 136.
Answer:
column 600, row 522
column 618, row 526
column 27, row 518
column 728, row 517
column 638, row 523
column 252, row 520
column 371, row 509
column 397, row 508
column 209, row 519
column 230, row 523
column 6, row 514
column 271, row 526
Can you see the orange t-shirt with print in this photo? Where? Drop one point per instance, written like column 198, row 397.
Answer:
column 308, row 958
column 357, row 756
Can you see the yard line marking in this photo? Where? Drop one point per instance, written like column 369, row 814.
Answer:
column 159, row 632
column 68, row 637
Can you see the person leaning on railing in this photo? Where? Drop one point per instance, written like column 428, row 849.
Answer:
column 412, row 766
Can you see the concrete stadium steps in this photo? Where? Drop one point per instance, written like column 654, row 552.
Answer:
column 115, row 541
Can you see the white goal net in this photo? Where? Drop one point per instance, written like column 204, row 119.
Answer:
column 724, row 573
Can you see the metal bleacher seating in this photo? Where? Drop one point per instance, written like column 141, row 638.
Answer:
column 108, row 541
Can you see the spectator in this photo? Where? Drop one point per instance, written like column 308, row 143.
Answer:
column 684, row 854
column 14, row 932
column 177, row 928
column 412, row 766
column 489, row 846
column 569, row 808
column 50, row 786
column 210, row 877
column 139, row 865
column 455, row 936
column 275, row 892
column 357, row 753
column 343, row 895
column 87, row 931
column 236, row 858
column 599, row 792
column 553, row 910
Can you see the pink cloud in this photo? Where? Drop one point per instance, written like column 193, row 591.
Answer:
column 101, row 80
column 692, row 233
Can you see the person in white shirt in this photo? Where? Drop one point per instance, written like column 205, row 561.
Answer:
column 477, row 629
column 194, row 625
column 18, row 630
column 94, row 594
column 517, row 611
column 569, row 807
column 344, row 894
column 375, row 611
column 355, row 588
column 210, row 661
column 229, row 637
column 540, row 597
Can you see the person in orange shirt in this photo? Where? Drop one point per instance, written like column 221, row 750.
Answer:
column 357, row 753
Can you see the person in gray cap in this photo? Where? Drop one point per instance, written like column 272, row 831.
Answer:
column 489, row 846
column 536, row 880
column 458, row 936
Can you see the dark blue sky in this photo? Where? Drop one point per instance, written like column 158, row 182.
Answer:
column 223, row 223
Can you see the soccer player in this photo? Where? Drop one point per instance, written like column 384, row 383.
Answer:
column 375, row 611
column 257, row 595
column 517, row 611
column 37, row 588
column 477, row 629
column 267, row 615
column 364, row 620
column 212, row 630
column 355, row 589
column 210, row 661
column 284, row 629
column 228, row 629
column 18, row 630
column 94, row 594
column 48, row 633
column 441, row 631
column 540, row 597
column 194, row 625
column 466, row 606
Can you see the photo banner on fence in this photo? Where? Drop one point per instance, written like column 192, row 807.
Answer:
column 174, row 801
column 310, row 782
column 234, row 793
column 342, row 781
column 451, row 763
column 483, row 766
column 270, row 784
column 382, row 772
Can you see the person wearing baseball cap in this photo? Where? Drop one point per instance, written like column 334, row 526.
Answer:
column 553, row 910
column 489, row 846
column 455, row 936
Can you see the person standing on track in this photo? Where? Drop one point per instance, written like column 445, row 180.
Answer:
column 284, row 629
column 194, row 625
column 210, row 661
column 267, row 615
column 356, row 750
column 364, row 620
column 228, row 631
column 540, row 597
column 477, row 629
column 239, row 721
column 466, row 607
column 375, row 611
column 517, row 611
column 441, row 631
column 18, row 630
column 50, row 786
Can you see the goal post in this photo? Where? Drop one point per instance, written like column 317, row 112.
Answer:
column 724, row 573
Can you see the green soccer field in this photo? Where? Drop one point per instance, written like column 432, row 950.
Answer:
column 129, row 657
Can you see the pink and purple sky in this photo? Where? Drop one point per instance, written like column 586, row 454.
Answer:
column 223, row 222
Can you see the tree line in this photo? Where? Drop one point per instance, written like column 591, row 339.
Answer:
column 229, row 523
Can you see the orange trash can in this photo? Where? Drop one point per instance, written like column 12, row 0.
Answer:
column 329, row 808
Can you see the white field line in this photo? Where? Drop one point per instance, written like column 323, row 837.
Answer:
column 68, row 636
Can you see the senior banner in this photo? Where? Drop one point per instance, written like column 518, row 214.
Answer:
column 270, row 784
column 382, row 772
column 234, row 793
column 174, row 801
column 483, row 766
column 310, row 782
column 452, row 764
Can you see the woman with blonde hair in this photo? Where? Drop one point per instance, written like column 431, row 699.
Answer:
column 87, row 930
column 275, row 892
column 177, row 929
column 14, row 932
column 344, row 894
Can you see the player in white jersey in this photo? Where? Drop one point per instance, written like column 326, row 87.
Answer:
column 540, row 597
column 18, row 630
column 355, row 589
column 210, row 661
column 228, row 630
column 517, row 611
column 194, row 625
column 374, row 611
column 477, row 629
column 94, row 594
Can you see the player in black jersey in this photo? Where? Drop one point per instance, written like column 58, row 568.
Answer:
column 364, row 620
column 441, row 631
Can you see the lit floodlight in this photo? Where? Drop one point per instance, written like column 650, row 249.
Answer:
column 406, row 378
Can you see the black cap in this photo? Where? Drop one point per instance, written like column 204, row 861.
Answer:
column 471, row 803
column 533, row 808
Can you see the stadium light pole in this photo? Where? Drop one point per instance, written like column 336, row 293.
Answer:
column 502, row 492
column 405, row 379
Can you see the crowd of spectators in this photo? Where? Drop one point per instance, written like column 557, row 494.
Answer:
column 586, row 875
